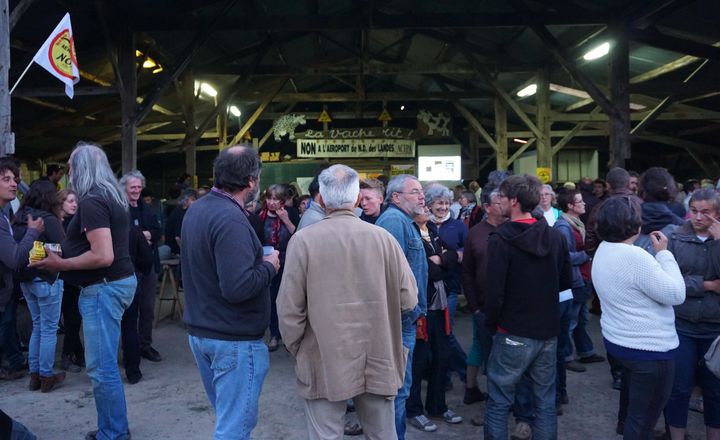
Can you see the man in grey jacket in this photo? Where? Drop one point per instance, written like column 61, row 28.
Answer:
column 12, row 256
column 226, row 279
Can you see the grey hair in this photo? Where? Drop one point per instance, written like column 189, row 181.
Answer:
column 134, row 174
column 339, row 186
column 90, row 170
column 549, row 188
column 397, row 185
column 436, row 191
column 186, row 195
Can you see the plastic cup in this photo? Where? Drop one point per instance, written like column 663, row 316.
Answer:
column 268, row 250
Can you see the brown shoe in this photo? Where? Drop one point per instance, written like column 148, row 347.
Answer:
column 48, row 383
column 34, row 381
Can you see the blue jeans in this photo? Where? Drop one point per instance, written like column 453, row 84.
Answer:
column 408, row 341
column 690, row 370
column 511, row 358
column 44, row 302
column 232, row 373
column 102, row 306
column 564, row 346
column 481, row 344
column 8, row 336
column 578, row 330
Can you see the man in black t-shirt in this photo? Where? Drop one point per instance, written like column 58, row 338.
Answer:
column 142, row 216
column 96, row 258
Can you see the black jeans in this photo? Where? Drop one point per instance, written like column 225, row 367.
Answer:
column 130, row 337
column 9, row 347
column 435, row 355
column 274, row 290
column 72, row 321
column 646, row 387
column 146, row 291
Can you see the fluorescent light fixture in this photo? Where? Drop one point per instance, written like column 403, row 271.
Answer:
column 149, row 63
column 520, row 141
column 402, row 107
column 529, row 90
column 597, row 52
column 208, row 90
column 235, row 111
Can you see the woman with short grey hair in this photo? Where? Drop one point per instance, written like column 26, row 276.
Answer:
column 452, row 233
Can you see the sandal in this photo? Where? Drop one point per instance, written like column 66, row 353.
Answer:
column 353, row 428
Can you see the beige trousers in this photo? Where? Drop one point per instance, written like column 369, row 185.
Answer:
column 326, row 420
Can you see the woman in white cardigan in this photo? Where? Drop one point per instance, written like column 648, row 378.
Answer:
column 637, row 292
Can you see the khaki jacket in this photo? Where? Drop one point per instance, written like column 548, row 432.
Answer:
column 345, row 284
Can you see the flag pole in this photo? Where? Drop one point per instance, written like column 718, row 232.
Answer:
column 21, row 76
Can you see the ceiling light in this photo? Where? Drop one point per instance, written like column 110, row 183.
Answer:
column 235, row 111
column 597, row 52
column 208, row 90
column 520, row 141
column 158, row 70
column 149, row 63
column 527, row 91
column 402, row 107
column 138, row 53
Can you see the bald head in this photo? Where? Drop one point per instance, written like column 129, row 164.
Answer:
column 235, row 167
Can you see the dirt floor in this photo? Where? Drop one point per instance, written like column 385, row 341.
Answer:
column 170, row 403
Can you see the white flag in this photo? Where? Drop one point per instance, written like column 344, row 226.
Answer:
column 57, row 55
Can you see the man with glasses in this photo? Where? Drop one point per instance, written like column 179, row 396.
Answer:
column 404, row 199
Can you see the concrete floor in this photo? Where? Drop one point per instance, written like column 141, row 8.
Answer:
column 170, row 403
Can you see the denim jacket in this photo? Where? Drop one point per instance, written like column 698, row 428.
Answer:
column 401, row 226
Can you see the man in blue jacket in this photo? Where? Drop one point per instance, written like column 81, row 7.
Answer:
column 404, row 198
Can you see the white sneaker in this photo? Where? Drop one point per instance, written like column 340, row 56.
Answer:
column 423, row 423
column 522, row 431
column 450, row 417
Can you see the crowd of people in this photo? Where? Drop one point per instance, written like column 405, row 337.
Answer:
column 264, row 270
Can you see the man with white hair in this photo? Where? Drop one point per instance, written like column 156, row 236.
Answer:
column 142, row 216
column 324, row 320
column 405, row 198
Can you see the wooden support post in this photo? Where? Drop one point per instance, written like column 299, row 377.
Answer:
column 474, row 150
column 620, row 96
column 501, row 133
column 544, row 145
column 7, row 138
column 185, row 88
column 128, row 96
column 221, row 124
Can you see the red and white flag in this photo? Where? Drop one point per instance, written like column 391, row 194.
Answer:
column 57, row 55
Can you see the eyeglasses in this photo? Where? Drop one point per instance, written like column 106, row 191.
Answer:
column 414, row 192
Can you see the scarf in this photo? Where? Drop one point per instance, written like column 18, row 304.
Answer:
column 276, row 223
column 576, row 224
column 439, row 221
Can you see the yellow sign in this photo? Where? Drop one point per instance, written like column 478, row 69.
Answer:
column 324, row 117
column 272, row 156
column 384, row 116
column 544, row 174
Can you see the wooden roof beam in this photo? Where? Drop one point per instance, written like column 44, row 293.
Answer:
column 651, row 37
column 188, row 54
column 379, row 20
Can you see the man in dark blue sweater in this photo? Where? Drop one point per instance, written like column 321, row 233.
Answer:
column 226, row 279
